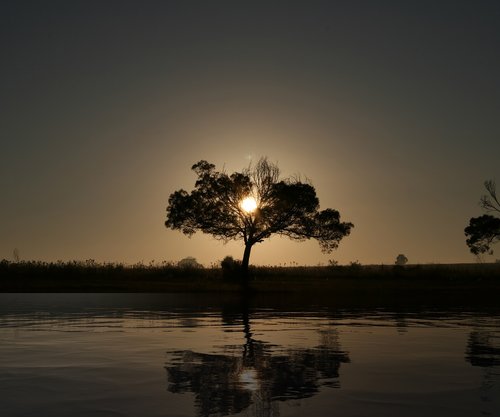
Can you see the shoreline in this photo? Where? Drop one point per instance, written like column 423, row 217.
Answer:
column 365, row 281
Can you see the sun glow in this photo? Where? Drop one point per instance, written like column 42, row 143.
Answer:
column 249, row 379
column 249, row 204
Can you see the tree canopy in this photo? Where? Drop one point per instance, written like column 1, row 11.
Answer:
column 401, row 260
column 286, row 207
column 484, row 231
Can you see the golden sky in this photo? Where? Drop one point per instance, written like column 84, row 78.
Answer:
column 389, row 108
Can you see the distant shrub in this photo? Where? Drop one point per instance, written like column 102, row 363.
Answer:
column 401, row 260
column 355, row 265
column 230, row 267
column 189, row 263
column 230, row 263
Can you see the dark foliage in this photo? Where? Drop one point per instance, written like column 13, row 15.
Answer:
column 484, row 231
column 286, row 207
column 356, row 282
column 231, row 267
column 401, row 260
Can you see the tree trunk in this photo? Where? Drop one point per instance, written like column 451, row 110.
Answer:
column 245, row 262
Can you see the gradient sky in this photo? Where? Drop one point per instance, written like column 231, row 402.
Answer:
column 390, row 108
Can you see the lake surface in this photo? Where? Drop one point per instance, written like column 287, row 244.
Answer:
column 193, row 355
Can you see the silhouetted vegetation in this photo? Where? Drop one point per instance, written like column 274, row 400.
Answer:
column 189, row 263
column 401, row 260
column 90, row 275
column 231, row 268
column 370, row 280
column 286, row 207
column 484, row 231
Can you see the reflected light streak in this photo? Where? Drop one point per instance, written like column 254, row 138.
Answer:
column 249, row 380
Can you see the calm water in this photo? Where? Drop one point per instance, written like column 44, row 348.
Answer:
column 179, row 355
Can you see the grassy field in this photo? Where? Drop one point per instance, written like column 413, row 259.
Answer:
column 371, row 281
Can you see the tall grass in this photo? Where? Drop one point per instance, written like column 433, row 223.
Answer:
column 90, row 275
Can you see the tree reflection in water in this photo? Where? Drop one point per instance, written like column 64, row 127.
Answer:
column 252, row 377
column 481, row 351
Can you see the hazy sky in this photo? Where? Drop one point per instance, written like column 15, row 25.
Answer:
column 390, row 108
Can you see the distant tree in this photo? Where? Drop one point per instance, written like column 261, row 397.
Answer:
column 16, row 255
column 229, row 263
column 484, row 231
column 489, row 202
column 189, row 262
column 401, row 260
column 253, row 205
column 230, row 267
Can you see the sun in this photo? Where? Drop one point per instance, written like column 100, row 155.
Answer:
column 248, row 204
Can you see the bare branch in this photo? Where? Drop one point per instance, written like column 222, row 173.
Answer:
column 489, row 201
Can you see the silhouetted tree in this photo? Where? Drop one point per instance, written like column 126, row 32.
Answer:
column 286, row 207
column 489, row 201
column 484, row 231
column 189, row 263
column 230, row 267
column 401, row 260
